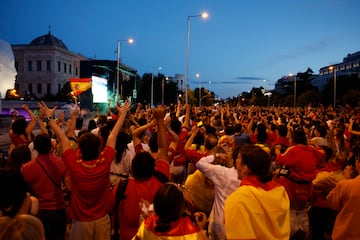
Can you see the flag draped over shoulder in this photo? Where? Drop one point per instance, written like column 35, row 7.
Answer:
column 80, row 85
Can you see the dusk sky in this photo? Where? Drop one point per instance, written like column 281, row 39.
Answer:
column 241, row 44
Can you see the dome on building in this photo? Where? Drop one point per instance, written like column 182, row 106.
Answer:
column 48, row 40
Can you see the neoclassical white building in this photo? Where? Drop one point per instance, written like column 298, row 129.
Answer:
column 44, row 66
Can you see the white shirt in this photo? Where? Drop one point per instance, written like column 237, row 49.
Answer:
column 226, row 181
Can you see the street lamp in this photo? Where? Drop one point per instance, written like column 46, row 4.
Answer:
column 152, row 85
column 130, row 41
column 334, row 74
column 294, row 88
column 204, row 15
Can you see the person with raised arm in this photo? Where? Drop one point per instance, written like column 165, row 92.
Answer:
column 20, row 130
column 89, row 172
column 148, row 174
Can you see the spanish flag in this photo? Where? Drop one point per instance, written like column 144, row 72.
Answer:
column 181, row 229
column 80, row 85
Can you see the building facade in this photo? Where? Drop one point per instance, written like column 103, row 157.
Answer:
column 349, row 66
column 44, row 66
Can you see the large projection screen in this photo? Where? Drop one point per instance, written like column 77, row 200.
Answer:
column 99, row 89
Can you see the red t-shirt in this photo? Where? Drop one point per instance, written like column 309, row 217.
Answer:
column 195, row 155
column 281, row 141
column 90, row 184
column 136, row 190
column 302, row 160
column 180, row 154
column 50, row 196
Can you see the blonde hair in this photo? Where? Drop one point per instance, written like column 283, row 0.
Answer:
column 21, row 227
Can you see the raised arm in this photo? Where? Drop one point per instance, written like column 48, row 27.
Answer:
column 32, row 124
column 162, row 153
column 174, row 137
column 122, row 112
column 178, row 109
column 138, row 131
column 41, row 123
column 187, row 116
column 49, row 113
column 71, row 125
column 190, row 140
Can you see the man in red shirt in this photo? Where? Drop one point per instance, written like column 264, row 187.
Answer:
column 148, row 174
column 44, row 176
column 89, row 172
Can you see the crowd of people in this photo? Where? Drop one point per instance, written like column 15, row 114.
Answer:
column 182, row 172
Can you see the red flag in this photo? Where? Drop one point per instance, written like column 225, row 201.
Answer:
column 80, row 85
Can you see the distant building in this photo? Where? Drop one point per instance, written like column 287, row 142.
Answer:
column 349, row 66
column 179, row 80
column 44, row 66
column 285, row 84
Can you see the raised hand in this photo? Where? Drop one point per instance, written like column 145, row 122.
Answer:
column 124, row 109
column 48, row 112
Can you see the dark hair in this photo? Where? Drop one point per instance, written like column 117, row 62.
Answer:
column 257, row 160
column 169, row 204
column 91, row 125
column 122, row 141
column 298, row 136
column 229, row 130
column 105, row 131
column 79, row 123
column 153, row 142
column 328, row 152
column 19, row 125
column 237, row 128
column 102, row 119
column 175, row 125
column 13, row 191
column 282, row 130
column 143, row 165
column 19, row 155
column 322, row 129
column 42, row 143
column 89, row 146
column 261, row 133
column 142, row 121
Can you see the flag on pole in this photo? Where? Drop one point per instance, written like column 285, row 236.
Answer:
column 80, row 85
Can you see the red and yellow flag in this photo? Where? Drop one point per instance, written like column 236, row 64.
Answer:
column 80, row 85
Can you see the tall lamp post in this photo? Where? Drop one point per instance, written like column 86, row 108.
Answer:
column 203, row 15
column 334, row 75
column 130, row 41
column 152, row 85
